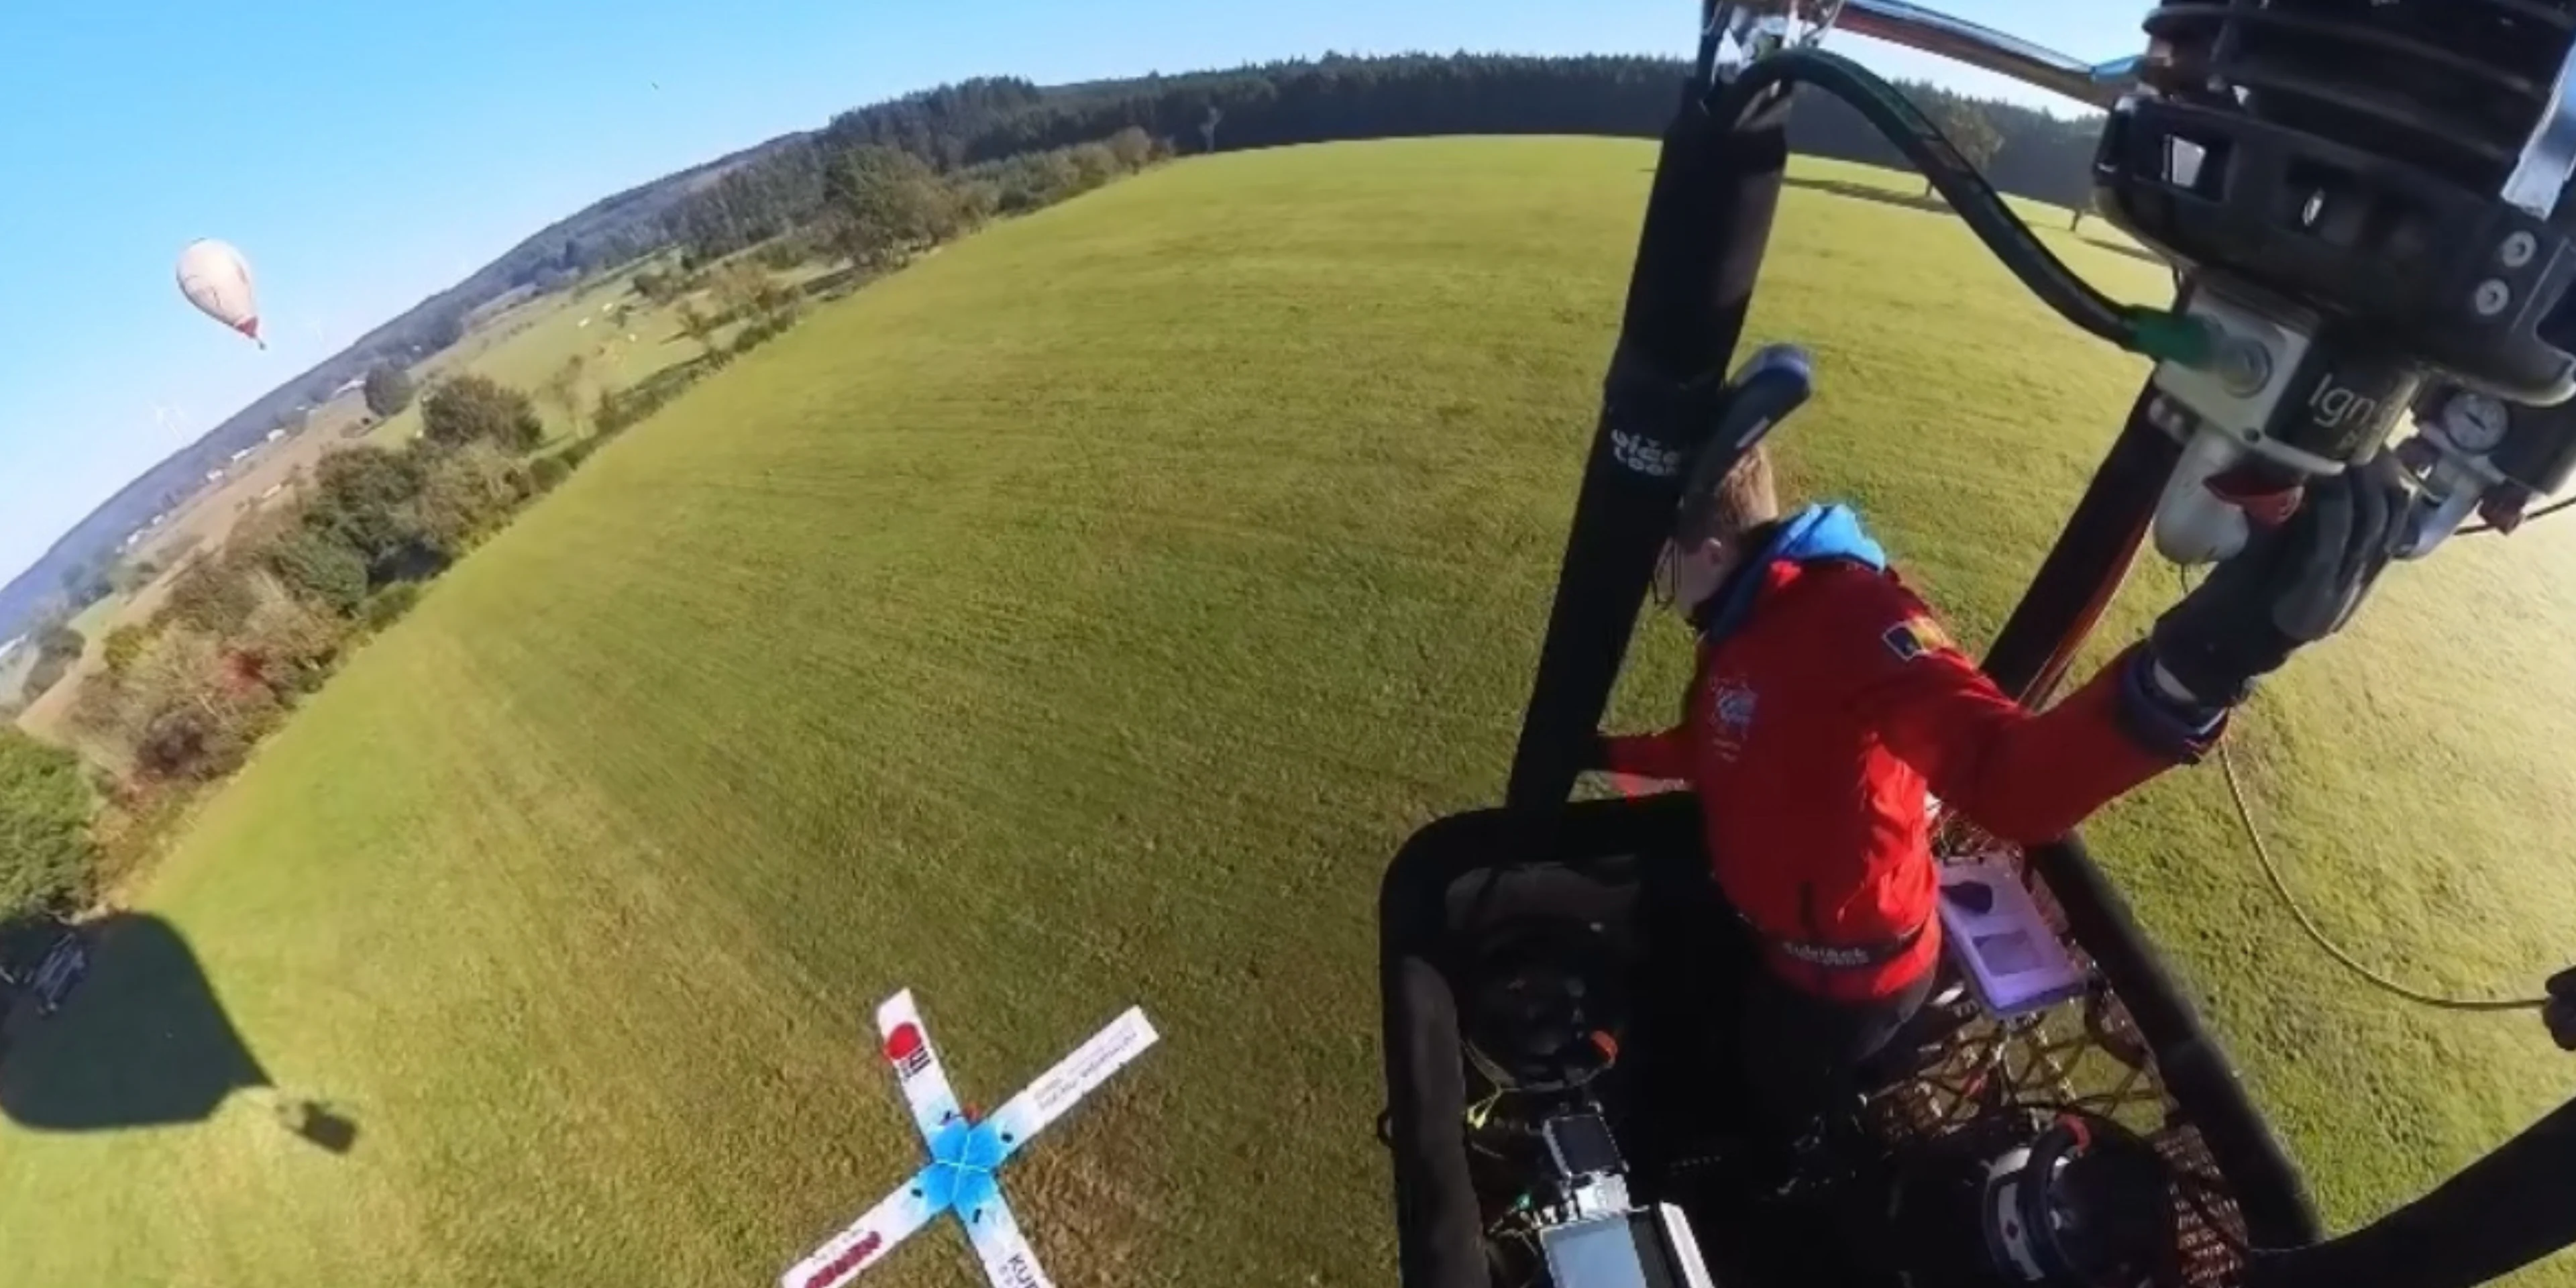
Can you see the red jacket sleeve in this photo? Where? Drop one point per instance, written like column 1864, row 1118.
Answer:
column 1649, row 755
column 2024, row 777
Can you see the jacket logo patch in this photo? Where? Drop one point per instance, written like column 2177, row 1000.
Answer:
column 1730, row 708
column 1916, row 636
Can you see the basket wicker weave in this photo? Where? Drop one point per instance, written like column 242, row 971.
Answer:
column 2085, row 1055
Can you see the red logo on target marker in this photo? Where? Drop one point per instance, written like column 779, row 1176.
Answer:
column 907, row 1050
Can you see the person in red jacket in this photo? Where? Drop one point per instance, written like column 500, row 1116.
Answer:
column 1828, row 704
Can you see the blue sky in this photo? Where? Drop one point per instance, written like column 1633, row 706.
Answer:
column 365, row 155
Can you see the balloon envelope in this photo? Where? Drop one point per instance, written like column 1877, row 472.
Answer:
column 216, row 279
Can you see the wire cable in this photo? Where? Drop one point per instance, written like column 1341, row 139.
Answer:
column 2158, row 333
column 2298, row 911
column 2479, row 529
column 2280, row 887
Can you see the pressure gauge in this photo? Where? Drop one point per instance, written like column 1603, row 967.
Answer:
column 2474, row 422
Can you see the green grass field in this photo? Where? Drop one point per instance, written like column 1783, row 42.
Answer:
column 524, row 344
column 1081, row 617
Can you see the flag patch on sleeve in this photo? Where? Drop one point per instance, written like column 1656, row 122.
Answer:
column 1916, row 636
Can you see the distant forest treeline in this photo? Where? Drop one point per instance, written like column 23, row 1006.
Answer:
column 1000, row 132
column 984, row 124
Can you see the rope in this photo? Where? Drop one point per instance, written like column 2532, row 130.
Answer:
column 2272, row 873
column 2533, row 517
column 2316, row 934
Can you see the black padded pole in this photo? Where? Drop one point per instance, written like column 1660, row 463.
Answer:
column 2505, row 1211
column 1708, row 220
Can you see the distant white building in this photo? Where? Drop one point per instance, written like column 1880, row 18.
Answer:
column 240, row 454
column 274, row 435
column 214, row 476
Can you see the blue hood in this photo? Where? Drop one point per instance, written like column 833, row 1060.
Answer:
column 1811, row 535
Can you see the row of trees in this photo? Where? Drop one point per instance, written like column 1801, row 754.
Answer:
column 56, row 644
column 875, row 207
column 180, row 699
column 957, row 127
column 45, row 851
column 245, row 630
column 873, row 203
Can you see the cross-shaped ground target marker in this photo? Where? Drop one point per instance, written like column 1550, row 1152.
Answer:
column 966, row 1154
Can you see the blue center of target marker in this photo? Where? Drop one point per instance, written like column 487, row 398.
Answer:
column 963, row 1157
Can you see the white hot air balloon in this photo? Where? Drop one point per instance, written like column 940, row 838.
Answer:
column 216, row 279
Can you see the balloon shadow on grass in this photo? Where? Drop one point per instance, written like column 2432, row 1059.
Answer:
column 1933, row 203
column 142, row 1042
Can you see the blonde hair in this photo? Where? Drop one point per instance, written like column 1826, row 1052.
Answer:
column 1723, row 510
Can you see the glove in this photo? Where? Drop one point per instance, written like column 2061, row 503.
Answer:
column 2294, row 583
column 2560, row 1013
